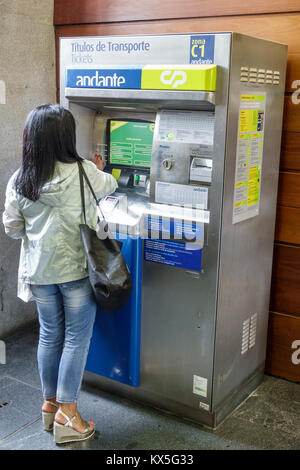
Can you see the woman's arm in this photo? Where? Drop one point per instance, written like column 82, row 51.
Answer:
column 102, row 183
column 13, row 220
column 99, row 162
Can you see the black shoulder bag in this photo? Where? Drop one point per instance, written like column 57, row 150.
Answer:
column 108, row 272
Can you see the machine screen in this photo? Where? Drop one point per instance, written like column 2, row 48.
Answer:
column 130, row 142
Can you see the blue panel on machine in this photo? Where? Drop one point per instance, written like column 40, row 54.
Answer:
column 178, row 228
column 202, row 49
column 104, row 78
column 173, row 253
column 115, row 345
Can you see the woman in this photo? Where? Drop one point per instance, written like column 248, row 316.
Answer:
column 43, row 208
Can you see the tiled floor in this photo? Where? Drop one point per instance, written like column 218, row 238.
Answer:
column 269, row 419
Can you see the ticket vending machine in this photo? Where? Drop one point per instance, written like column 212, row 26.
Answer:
column 190, row 126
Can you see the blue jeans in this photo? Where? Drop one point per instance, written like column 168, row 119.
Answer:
column 66, row 315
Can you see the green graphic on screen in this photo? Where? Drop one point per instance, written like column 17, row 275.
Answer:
column 131, row 143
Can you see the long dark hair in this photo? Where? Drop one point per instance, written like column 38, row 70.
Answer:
column 49, row 135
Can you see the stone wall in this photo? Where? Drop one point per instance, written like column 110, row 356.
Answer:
column 27, row 75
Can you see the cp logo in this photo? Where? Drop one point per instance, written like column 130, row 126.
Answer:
column 166, row 79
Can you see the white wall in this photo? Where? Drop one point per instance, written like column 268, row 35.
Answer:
column 27, row 72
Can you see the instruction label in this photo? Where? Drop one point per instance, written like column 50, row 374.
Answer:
column 181, row 194
column 192, row 127
column 249, row 155
column 200, row 385
column 173, row 253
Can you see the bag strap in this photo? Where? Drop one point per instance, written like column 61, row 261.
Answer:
column 82, row 194
column 82, row 174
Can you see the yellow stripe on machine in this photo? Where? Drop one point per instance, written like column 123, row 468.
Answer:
column 179, row 77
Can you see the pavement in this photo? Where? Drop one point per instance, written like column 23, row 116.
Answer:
column 268, row 419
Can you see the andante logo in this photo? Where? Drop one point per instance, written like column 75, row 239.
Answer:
column 100, row 81
column 104, row 78
column 177, row 78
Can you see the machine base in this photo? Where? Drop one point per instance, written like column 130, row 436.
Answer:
column 209, row 419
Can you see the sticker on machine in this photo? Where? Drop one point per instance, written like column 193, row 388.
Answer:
column 173, row 253
column 200, row 386
column 181, row 194
column 192, row 127
column 249, row 156
column 205, row 406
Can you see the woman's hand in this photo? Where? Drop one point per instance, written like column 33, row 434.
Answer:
column 100, row 164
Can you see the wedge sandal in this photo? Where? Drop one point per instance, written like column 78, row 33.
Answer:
column 64, row 433
column 48, row 416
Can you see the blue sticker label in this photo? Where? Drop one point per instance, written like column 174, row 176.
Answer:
column 172, row 253
column 202, row 49
column 260, row 121
column 178, row 228
column 104, row 78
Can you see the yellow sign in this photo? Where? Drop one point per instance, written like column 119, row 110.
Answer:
column 254, row 185
column 249, row 156
column 116, row 124
column 179, row 77
column 116, row 173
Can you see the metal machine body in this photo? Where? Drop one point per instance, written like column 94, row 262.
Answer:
column 193, row 339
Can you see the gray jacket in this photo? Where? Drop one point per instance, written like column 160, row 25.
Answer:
column 52, row 250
